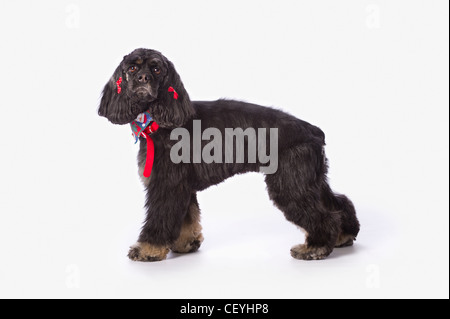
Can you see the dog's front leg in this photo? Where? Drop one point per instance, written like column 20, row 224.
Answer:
column 166, row 210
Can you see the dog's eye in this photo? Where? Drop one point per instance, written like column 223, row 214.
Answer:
column 132, row 68
column 156, row 70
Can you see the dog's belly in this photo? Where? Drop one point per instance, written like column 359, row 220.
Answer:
column 207, row 175
column 198, row 176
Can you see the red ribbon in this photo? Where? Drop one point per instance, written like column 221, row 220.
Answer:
column 118, row 83
column 175, row 94
column 152, row 128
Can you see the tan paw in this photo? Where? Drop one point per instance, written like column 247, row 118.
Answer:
column 147, row 252
column 309, row 253
column 191, row 237
column 187, row 244
column 344, row 240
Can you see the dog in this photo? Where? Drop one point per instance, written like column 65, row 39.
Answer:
column 146, row 82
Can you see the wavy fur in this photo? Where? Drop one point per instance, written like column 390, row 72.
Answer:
column 299, row 188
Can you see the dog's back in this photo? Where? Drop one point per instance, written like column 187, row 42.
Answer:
column 224, row 113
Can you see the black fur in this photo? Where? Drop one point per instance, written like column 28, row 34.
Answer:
column 299, row 188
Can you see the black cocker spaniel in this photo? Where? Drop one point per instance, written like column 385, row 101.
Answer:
column 187, row 146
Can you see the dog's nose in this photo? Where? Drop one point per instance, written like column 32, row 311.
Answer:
column 143, row 78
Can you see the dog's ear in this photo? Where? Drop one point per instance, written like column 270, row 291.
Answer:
column 115, row 104
column 173, row 107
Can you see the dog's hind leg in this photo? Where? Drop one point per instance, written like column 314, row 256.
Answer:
column 296, row 190
column 191, row 236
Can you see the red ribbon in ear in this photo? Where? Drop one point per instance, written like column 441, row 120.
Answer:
column 118, row 83
column 175, row 94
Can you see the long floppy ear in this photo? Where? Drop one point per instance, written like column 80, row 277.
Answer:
column 115, row 104
column 173, row 107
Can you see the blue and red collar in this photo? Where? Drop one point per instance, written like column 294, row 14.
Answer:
column 144, row 126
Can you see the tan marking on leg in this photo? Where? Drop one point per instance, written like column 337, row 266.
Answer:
column 147, row 252
column 191, row 232
column 309, row 253
column 303, row 231
column 190, row 239
column 345, row 240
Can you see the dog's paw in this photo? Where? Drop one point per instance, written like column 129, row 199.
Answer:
column 147, row 252
column 187, row 245
column 304, row 252
column 345, row 240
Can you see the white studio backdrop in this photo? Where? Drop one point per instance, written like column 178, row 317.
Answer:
column 372, row 74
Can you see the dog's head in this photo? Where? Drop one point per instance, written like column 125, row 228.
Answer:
column 146, row 80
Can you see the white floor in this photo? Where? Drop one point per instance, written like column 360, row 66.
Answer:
column 82, row 253
column 373, row 76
